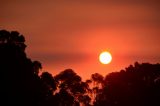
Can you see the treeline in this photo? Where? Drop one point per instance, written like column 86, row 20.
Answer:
column 22, row 85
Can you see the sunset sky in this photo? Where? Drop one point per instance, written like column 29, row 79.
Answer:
column 65, row 34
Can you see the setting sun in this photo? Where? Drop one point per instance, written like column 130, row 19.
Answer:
column 105, row 57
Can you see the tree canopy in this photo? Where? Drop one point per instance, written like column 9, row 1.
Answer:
column 23, row 85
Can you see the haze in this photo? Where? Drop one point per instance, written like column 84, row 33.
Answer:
column 71, row 34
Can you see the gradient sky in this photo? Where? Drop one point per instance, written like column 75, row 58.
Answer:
column 71, row 33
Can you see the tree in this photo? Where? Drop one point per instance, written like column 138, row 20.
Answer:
column 71, row 83
column 49, row 80
column 20, row 83
column 136, row 85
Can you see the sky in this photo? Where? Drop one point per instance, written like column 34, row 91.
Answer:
column 64, row 34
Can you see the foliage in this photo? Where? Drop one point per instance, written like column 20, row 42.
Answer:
column 137, row 85
column 22, row 85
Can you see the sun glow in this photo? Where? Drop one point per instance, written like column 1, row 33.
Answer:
column 105, row 57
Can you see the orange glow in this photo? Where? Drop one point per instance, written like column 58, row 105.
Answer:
column 105, row 57
column 70, row 34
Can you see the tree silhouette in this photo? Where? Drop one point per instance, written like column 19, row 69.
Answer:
column 136, row 85
column 71, row 83
column 21, row 84
column 97, row 79
column 97, row 84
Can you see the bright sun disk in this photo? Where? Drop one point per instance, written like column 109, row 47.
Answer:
column 105, row 57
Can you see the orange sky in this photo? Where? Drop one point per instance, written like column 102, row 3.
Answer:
column 71, row 34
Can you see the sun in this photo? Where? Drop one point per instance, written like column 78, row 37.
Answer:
column 105, row 57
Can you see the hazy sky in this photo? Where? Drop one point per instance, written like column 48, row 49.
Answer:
column 71, row 33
